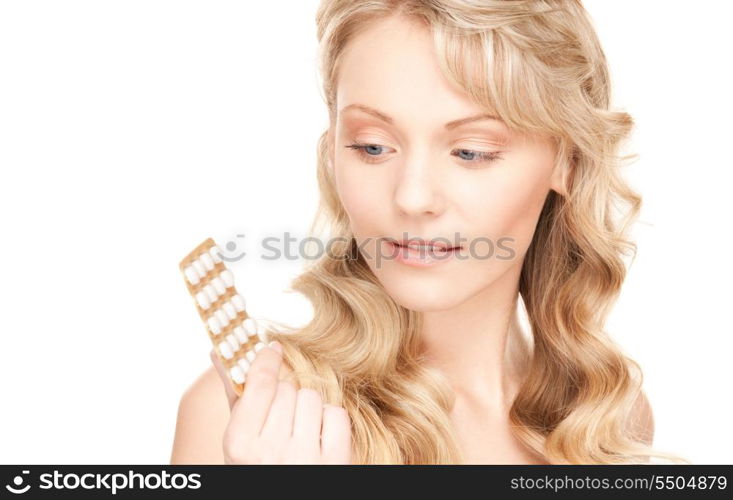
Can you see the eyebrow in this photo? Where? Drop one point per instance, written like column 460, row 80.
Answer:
column 388, row 119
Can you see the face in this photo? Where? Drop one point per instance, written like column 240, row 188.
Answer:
column 407, row 167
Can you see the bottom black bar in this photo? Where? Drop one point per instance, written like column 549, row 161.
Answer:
column 453, row 481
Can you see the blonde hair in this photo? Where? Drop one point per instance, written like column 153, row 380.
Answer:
column 539, row 66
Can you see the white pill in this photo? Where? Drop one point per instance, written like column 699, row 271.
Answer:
column 237, row 374
column 191, row 275
column 250, row 327
column 203, row 300
column 232, row 341
column 211, row 293
column 258, row 346
column 207, row 261
column 241, row 335
column 214, row 325
column 262, row 335
column 229, row 309
column 226, row 350
column 250, row 356
column 238, row 302
column 218, row 285
column 214, row 252
column 227, row 277
column 199, row 268
column 221, row 317
column 243, row 364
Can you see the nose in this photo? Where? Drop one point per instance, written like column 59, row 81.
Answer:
column 417, row 192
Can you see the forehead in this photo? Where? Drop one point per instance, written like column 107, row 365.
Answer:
column 392, row 66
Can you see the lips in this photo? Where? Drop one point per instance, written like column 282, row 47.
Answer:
column 419, row 242
column 420, row 253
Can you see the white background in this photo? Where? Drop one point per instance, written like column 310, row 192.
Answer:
column 131, row 131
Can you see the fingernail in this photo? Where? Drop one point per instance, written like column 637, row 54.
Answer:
column 276, row 346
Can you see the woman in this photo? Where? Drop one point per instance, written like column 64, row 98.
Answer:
column 482, row 130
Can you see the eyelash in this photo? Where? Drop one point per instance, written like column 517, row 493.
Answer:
column 484, row 156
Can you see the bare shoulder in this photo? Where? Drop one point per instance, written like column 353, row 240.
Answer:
column 203, row 415
column 642, row 420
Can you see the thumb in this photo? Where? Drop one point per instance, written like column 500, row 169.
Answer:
column 228, row 389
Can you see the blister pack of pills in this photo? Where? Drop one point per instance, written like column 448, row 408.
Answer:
column 235, row 336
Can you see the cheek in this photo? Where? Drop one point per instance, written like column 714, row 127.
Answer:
column 507, row 206
column 360, row 193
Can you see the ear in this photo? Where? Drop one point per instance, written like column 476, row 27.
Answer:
column 565, row 162
column 559, row 177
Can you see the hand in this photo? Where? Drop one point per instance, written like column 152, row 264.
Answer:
column 273, row 423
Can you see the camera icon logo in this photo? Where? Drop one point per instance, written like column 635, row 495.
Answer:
column 18, row 481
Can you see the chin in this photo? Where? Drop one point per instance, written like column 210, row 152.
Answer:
column 423, row 298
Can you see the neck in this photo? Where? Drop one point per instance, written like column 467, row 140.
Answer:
column 479, row 344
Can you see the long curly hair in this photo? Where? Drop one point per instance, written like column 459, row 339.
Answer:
column 538, row 65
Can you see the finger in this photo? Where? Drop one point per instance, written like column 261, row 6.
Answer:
column 307, row 425
column 335, row 435
column 279, row 424
column 228, row 389
column 251, row 409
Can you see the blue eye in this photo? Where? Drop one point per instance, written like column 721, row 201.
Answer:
column 365, row 151
column 483, row 156
column 370, row 153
